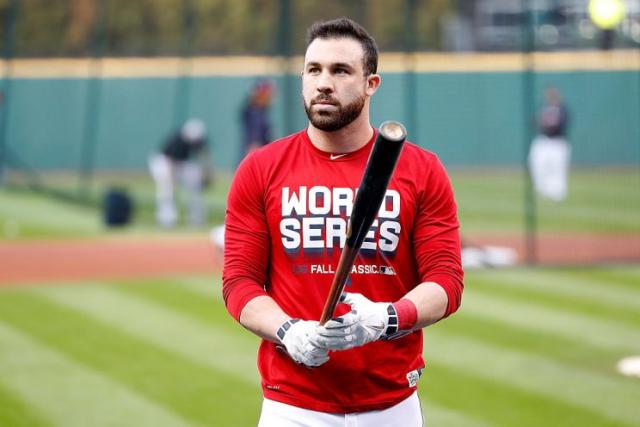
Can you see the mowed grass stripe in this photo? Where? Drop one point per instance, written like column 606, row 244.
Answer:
column 26, row 209
column 566, row 285
column 582, row 213
column 584, row 306
column 627, row 277
column 589, row 211
column 565, row 304
column 192, row 390
column 492, row 403
column 573, row 326
column 176, row 295
column 69, row 394
column 162, row 327
column 205, row 287
column 502, row 334
column 559, row 303
column 435, row 415
column 18, row 412
column 613, row 397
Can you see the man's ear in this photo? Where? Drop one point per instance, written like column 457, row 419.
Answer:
column 373, row 83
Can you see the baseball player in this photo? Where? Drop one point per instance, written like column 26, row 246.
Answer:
column 550, row 153
column 286, row 223
column 183, row 159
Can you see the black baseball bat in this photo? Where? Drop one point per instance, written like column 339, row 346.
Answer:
column 373, row 186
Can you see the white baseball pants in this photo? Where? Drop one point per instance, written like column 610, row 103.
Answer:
column 405, row 414
column 549, row 160
column 166, row 175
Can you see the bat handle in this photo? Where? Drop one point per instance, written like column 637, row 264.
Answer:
column 347, row 257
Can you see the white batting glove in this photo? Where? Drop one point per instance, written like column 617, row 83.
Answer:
column 299, row 338
column 366, row 322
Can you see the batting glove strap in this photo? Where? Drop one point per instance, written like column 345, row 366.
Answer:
column 282, row 331
column 392, row 323
column 393, row 330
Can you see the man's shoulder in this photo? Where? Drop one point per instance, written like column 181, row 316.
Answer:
column 417, row 154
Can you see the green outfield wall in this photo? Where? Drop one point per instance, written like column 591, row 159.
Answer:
column 470, row 118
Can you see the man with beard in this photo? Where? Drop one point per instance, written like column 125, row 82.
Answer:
column 287, row 212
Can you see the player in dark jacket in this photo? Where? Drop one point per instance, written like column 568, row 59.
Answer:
column 256, row 124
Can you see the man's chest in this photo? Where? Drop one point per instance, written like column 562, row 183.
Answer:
column 310, row 214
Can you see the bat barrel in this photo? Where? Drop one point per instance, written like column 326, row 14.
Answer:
column 382, row 161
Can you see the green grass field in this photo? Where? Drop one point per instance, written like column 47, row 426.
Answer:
column 70, row 215
column 528, row 348
column 600, row 200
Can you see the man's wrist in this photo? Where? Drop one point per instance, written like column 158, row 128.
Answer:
column 403, row 316
column 407, row 314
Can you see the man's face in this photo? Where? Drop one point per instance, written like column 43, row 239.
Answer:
column 334, row 87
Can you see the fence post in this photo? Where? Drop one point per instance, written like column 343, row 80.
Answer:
column 5, row 88
column 410, row 81
column 92, row 101
column 283, row 49
column 182, row 99
column 528, row 85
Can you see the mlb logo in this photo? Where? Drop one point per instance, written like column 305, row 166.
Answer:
column 387, row 270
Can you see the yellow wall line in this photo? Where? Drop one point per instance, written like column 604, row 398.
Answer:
column 617, row 60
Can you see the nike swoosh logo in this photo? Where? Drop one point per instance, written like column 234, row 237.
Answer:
column 337, row 156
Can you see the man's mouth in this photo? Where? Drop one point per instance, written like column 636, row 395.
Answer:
column 324, row 102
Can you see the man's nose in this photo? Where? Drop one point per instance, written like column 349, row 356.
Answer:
column 325, row 83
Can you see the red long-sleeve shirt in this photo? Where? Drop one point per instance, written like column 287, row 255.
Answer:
column 286, row 221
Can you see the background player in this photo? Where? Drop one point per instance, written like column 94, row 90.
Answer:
column 550, row 153
column 286, row 222
column 183, row 159
column 256, row 124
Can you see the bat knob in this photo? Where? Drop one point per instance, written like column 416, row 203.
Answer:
column 393, row 130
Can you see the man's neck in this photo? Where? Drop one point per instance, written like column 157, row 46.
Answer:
column 346, row 140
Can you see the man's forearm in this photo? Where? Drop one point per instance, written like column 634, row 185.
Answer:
column 430, row 300
column 263, row 317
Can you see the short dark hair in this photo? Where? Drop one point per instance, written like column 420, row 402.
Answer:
column 347, row 28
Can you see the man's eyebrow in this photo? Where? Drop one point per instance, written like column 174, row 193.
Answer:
column 342, row 65
column 332, row 65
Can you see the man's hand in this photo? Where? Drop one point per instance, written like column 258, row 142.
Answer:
column 366, row 322
column 299, row 338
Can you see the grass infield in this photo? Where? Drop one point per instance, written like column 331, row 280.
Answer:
column 528, row 348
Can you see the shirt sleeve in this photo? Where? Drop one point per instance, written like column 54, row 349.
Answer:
column 246, row 239
column 436, row 237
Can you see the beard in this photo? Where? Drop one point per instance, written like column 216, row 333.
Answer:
column 330, row 121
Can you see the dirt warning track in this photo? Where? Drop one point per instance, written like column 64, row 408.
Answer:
column 50, row 261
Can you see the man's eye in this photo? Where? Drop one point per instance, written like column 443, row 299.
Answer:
column 341, row 71
column 313, row 70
